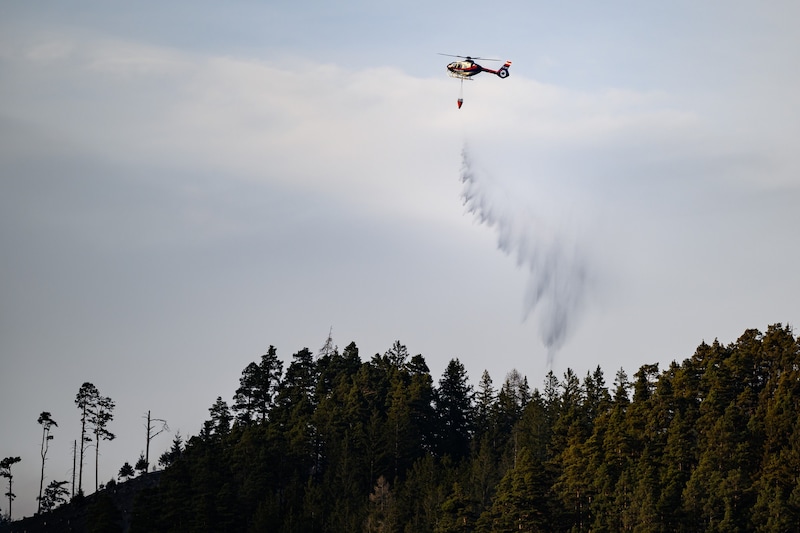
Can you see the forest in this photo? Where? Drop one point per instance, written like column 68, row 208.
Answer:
column 332, row 443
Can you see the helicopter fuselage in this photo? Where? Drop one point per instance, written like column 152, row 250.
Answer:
column 469, row 68
column 464, row 69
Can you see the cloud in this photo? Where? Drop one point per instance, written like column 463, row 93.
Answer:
column 299, row 125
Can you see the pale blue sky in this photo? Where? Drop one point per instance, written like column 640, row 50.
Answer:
column 183, row 185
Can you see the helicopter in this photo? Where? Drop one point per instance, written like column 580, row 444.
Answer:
column 466, row 69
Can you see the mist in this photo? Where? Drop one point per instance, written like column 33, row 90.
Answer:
column 558, row 269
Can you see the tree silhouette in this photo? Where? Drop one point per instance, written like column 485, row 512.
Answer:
column 54, row 495
column 152, row 433
column 47, row 423
column 454, row 411
column 141, row 464
column 126, row 472
column 86, row 401
column 101, row 416
column 257, row 388
column 5, row 471
column 220, row 417
column 170, row 456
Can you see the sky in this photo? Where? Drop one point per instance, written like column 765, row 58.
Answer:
column 184, row 184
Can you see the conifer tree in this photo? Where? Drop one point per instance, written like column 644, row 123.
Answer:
column 421, row 399
column 126, row 472
column 257, row 388
column 100, row 417
column 484, row 474
column 5, row 471
column 333, row 368
column 220, row 422
column 458, row 512
column 86, row 401
column 522, row 502
column 397, row 355
column 173, row 454
column 54, row 495
column 454, row 410
column 398, row 428
column 47, row 423
column 141, row 465
column 484, row 404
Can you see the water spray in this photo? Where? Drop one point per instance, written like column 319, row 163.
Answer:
column 558, row 272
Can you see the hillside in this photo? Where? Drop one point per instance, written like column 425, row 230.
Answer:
column 108, row 510
column 337, row 444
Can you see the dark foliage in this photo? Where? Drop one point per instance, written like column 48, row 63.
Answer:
column 709, row 444
column 107, row 510
column 341, row 445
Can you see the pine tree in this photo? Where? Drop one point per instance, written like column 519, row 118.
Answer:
column 126, row 472
column 334, row 368
column 484, row 474
column 398, row 428
column 458, row 512
column 47, row 423
column 522, row 502
column 100, row 417
column 5, row 471
column 141, row 464
column 86, row 401
column 55, row 494
column 173, row 454
column 257, row 388
column 397, row 355
column 484, row 405
column 612, row 452
column 220, row 423
column 454, row 410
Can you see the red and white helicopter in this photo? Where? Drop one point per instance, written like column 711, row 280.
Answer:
column 466, row 69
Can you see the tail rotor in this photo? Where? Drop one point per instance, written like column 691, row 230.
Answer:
column 503, row 71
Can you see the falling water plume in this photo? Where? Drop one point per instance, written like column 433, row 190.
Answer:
column 557, row 283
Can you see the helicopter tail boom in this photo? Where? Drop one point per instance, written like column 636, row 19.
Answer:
column 503, row 71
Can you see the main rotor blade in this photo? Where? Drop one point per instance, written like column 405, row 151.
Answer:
column 470, row 57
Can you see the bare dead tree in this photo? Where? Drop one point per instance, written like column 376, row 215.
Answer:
column 152, row 433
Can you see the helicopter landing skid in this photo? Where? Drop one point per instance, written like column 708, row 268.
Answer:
column 459, row 76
